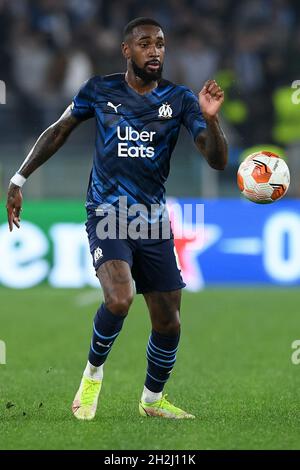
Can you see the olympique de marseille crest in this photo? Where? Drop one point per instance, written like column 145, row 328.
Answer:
column 98, row 254
column 165, row 111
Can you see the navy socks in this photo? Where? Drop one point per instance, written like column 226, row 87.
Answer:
column 161, row 350
column 106, row 328
column 161, row 355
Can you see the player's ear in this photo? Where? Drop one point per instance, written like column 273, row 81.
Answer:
column 125, row 50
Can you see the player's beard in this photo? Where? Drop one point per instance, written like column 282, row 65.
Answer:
column 144, row 75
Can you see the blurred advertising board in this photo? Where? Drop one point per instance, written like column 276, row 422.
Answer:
column 239, row 243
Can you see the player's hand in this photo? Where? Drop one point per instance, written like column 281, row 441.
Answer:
column 211, row 98
column 14, row 206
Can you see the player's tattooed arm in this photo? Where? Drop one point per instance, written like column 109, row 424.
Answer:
column 46, row 145
column 49, row 142
column 212, row 142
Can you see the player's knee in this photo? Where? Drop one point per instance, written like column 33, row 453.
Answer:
column 170, row 327
column 119, row 305
column 173, row 329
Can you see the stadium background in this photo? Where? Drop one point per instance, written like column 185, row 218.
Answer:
column 242, row 305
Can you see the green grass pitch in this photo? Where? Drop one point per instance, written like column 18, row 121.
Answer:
column 234, row 372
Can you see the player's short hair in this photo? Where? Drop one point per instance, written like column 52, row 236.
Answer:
column 138, row 22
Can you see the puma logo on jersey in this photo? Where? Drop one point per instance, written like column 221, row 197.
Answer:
column 113, row 106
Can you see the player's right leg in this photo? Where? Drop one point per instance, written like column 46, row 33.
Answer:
column 112, row 260
column 116, row 281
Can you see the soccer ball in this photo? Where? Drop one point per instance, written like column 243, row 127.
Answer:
column 263, row 177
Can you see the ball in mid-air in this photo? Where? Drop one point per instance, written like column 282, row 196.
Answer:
column 263, row 177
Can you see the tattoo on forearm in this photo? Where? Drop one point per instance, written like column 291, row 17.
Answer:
column 48, row 143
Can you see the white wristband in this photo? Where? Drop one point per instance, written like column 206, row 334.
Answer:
column 18, row 180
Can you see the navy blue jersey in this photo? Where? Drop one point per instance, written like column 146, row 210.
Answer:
column 135, row 137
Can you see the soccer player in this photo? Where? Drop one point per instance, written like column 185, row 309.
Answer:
column 138, row 116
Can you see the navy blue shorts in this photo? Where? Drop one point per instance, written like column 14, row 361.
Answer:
column 153, row 262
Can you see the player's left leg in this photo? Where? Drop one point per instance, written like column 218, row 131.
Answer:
column 164, row 309
column 157, row 276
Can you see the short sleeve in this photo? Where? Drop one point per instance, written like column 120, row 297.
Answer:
column 83, row 102
column 192, row 117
